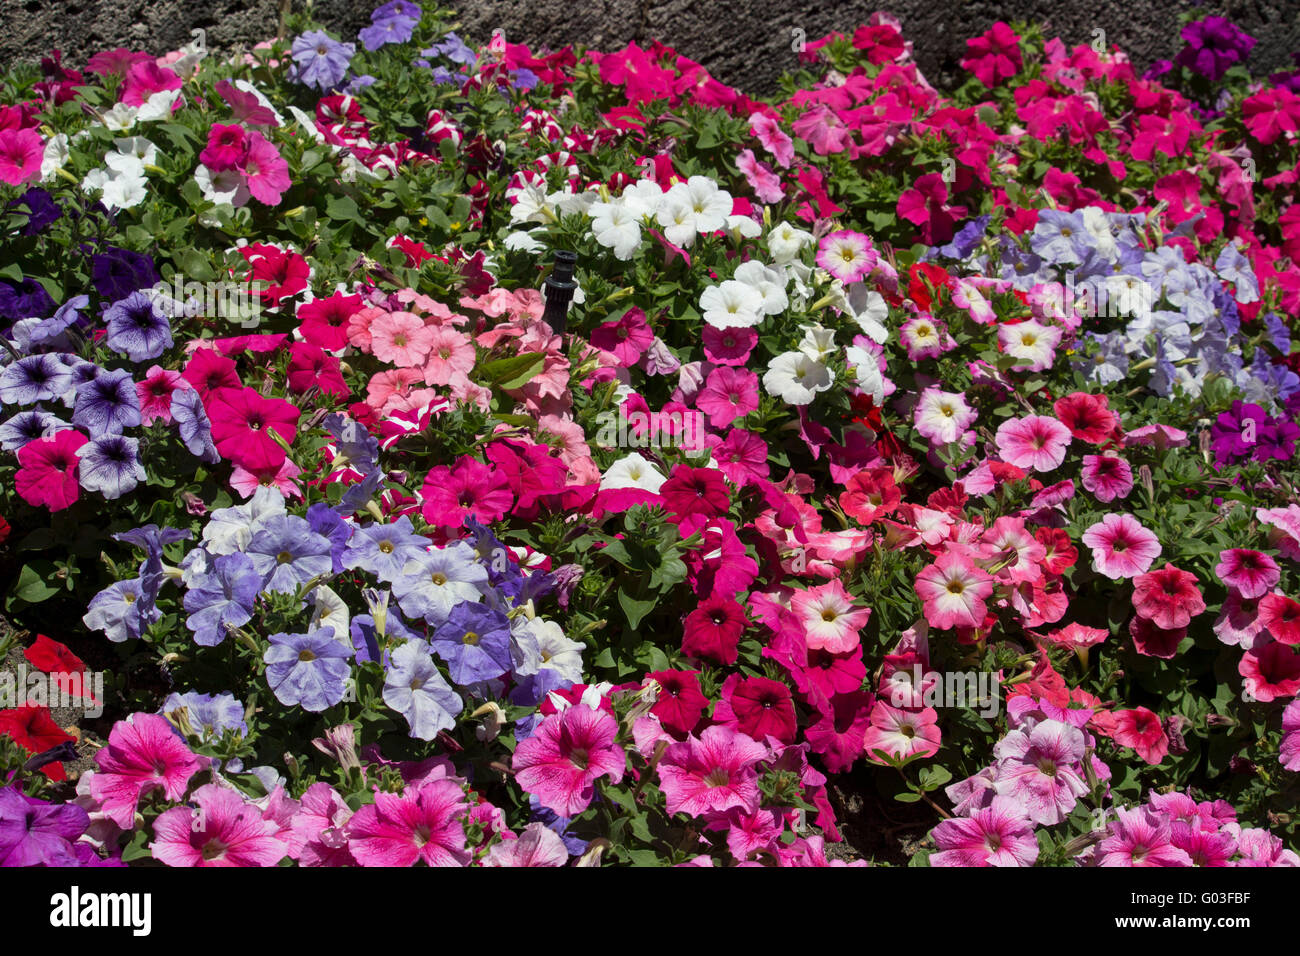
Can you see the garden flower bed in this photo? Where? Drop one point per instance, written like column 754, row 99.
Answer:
column 909, row 480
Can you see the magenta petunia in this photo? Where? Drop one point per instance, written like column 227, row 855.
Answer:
column 567, row 753
column 143, row 752
column 712, row 773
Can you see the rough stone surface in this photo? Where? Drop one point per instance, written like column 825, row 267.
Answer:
column 745, row 44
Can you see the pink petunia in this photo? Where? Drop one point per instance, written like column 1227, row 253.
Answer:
column 318, row 834
column 1270, row 672
column 1121, row 547
column 536, row 846
column 1140, row 837
column 1036, row 442
column 1167, row 597
column 761, row 178
column 1107, row 476
column 712, row 773
column 155, row 394
column 47, row 470
column 997, row 835
column 265, row 169
column 1290, row 754
column 901, row 733
column 728, row 394
column 953, row 591
column 830, row 619
column 627, row 338
column 451, row 356
column 1141, row 729
column 471, row 489
column 567, row 753
column 728, row 346
column 143, row 752
column 1251, row 573
column 21, row 152
column 422, row 823
column 227, row 831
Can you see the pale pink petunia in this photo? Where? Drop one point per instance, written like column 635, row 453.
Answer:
column 143, row 752
column 422, row 823
column 401, row 338
column 901, row 733
column 265, row 169
column 767, row 129
column 1015, row 553
column 1042, row 769
column 1290, row 754
column 536, row 846
column 1258, row 847
column 567, row 753
column 953, row 591
column 765, row 183
column 451, row 354
column 997, row 835
column 318, row 833
column 1036, row 442
column 830, row 619
column 1284, row 533
column 226, row 830
column 1121, row 547
column 711, row 773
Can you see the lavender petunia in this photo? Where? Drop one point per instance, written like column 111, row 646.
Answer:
column 308, row 670
column 191, row 418
column 320, row 60
column 222, row 599
column 475, row 643
column 137, row 328
column 35, row 378
column 416, row 689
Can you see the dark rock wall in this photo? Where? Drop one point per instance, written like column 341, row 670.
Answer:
column 746, row 44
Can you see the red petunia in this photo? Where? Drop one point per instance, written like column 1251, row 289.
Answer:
column 1088, row 417
column 757, row 706
column 871, row 494
column 695, row 491
column 713, row 631
column 681, row 704
column 34, row 729
column 1167, row 597
column 1141, row 729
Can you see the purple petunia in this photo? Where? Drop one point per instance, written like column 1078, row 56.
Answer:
column 321, row 61
column 385, row 549
column 209, row 715
column 475, row 643
column 36, row 833
column 116, row 273
column 394, row 28
column 137, row 328
column 64, row 316
column 23, row 300
column 1212, row 46
column 192, row 420
column 36, row 378
column 107, row 404
column 29, row 426
column 308, row 670
column 287, row 553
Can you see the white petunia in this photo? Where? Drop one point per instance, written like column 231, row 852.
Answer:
column 784, row 241
column 137, row 147
column 869, row 310
column 56, row 154
column 796, row 379
column 818, row 343
column 632, row 472
column 616, row 227
column 228, row 186
column 769, row 282
column 731, row 305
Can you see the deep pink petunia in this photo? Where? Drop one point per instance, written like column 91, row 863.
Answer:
column 1140, row 837
column 567, row 753
column 1252, row 573
column 47, row 470
column 143, row 752
column 712, row 773
column 422, row 823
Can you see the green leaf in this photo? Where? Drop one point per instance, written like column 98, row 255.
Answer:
column 138, row 848
column 513, row 372
column 634, row 609
column 31, row 587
